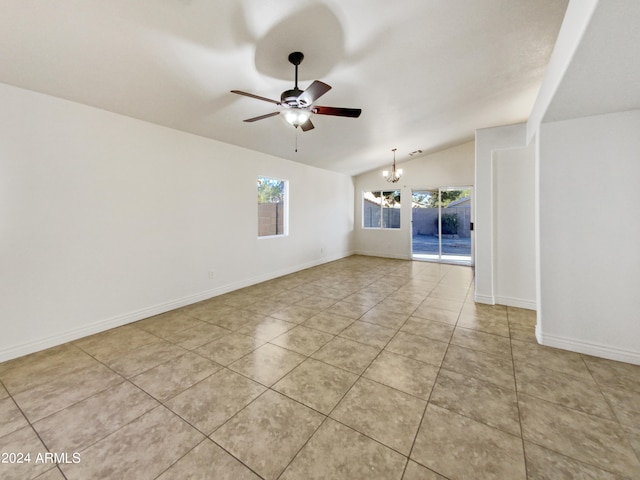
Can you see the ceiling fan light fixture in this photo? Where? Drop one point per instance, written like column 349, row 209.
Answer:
column 296, row 116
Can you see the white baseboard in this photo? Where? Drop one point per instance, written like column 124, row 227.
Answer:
column 588, row 348
column 383, row 255
column 516, row 302
column 14, row 351
column 486, row 299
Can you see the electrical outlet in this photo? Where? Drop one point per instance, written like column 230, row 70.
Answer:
column 211, row 274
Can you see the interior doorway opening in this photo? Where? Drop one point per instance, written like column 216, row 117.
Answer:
column 441, row 225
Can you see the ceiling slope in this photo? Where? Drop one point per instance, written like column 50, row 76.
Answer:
column 426, row 73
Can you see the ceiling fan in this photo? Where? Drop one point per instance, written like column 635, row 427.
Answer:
column 297, row 105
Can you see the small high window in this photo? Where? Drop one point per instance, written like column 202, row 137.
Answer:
column 272, row 207
column 381, row 209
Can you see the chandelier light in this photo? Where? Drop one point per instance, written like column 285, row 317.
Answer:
column 395, row 174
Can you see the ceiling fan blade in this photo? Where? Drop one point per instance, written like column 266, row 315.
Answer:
column 240, row 92
column 314, row 92
column 307, row 126
column 338, row 112
column 272, row 114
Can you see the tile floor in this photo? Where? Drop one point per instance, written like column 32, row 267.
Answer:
column 363, row 368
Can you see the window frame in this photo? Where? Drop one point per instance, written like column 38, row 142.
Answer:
column 285, row 207
column 382, row 208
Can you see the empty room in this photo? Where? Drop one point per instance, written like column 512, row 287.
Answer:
column 291, row 240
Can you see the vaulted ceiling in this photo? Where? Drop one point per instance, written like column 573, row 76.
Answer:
column 426, row 73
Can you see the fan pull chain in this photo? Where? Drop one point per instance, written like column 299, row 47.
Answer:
column 296, row 139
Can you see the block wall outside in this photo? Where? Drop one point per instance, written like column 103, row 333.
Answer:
column 270, row 219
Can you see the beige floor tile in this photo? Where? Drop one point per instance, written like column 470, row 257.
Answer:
column 210, row 403
column 198, row 335
column 580, row 394
column 11, row 418
column 302, row 340
column 229, row 348
column 208, row 310
column 436, row 314
column 446, row 292
column 399, row 307
column 578, row 415
column 347, row 354
column 234, row 318
column 142, row 449
column 267, row 364
column 266, row 329
column 480, row 365
column 110, row 343
column 206, row 462
column 484, row 402
column 316, row 302
column 382, row 413
column 348, row 309
column 53, row 474
column 544, row 464
column 329, row 322
column 367, row 298
column 295, row 313
column 633, row 436
column 590, row 439
column 167, row 324
column 625, row 405
column 24, row 442
column 612, row 374
column 482, row 342
column 170, row 378
column 419, row 348
column 136, row 361
column 43, row 367
column 340, row 453
column 266, row 306
column 385, row 318
column 523, row 333
column 317, row 290
column 409, row 295
column 495, row 326
column 368, row 333
column 485, row 311
column 418, row 472
column 316, row 384
column 442, row 304
column 551, row 358
column 403, row 373
column 86, row 422
column 428, row 328
column 65, row 390
column 268, row 433
column 289, row 297
column 239, row 299
column 521, row 316
column 458, row 447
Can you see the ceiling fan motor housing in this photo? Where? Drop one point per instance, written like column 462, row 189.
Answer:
column 290, row 97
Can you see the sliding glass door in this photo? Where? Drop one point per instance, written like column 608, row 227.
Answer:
column 441, row 225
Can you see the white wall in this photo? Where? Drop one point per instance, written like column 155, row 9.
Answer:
column 589, row 229
column 106, row 219
column 514, row 227
column 489, row 141
column 450, row 167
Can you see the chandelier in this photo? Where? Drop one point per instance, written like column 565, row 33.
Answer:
column 396, row 173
